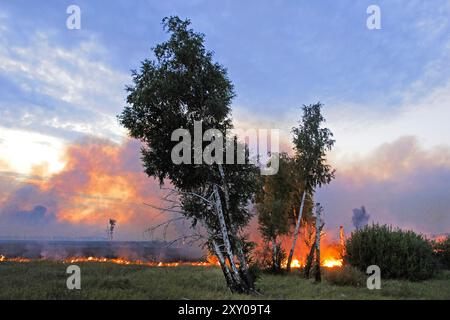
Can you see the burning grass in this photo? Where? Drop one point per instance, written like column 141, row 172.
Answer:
column 106, row 280
column 121, row 261
column 212, row 261
column 326, row 263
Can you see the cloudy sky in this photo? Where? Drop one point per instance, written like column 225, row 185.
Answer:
column 386, row 95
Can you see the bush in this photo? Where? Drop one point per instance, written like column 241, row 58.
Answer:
column 255, row 271
column 345, row 276
column 265, row 259
column 398, row 253
column 442, row 252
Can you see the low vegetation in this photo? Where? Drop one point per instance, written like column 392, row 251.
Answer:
column 47, row 280
column 399, row 254
column 346, row 276
column 442, row 253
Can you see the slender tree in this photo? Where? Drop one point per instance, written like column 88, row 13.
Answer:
column 312, row 245
column 319, row 226
column 274, row 207
column 311, row 143
column 179, row 89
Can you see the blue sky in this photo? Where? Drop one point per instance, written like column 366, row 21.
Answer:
column 280, row 54
column 378, row 86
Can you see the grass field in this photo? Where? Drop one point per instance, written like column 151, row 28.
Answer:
column 47, row 280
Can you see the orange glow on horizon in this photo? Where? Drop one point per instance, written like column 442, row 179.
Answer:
column 100, row 180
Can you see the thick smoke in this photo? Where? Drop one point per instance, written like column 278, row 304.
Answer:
column 101, row 181
column 403, row 184
column 61, row 250
column 37, row 217
column 360, row 218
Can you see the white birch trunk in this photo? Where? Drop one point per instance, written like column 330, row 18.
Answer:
column 318, row 231
column 240, row 252
column 275, row 253
column 223, row 265
column 224, row 231
column 297, row 227
column 318, row 223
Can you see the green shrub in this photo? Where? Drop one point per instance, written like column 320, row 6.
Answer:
column 398, row 253
column 442, row 252
column 345, row 276
column 265, row 259
column 255, row 271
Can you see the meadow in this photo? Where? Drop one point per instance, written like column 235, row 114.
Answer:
column 47, row 280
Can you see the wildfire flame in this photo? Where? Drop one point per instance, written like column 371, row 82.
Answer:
column 4, row 259
column 120, row 261
column 295, row 264
column 331, row 263
column 327, row 263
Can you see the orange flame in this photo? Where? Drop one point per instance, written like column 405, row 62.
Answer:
column 332, row 263
column 327, row 263
column 120, row 261
column 330, row 251
column 4, row 259
column 295, row 264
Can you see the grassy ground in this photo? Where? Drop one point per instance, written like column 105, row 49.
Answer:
column 47, row 280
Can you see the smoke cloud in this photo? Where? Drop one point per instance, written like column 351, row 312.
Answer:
column 403, row 184
column 360, row 218
column 101, row 180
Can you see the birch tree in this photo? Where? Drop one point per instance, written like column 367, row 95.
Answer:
column 273, row 204
column 311, row 143
column 311, row 243
column 180, row 87
column 319, row 226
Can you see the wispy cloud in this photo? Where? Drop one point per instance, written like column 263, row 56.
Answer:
column 64, row 91
column 54, row 92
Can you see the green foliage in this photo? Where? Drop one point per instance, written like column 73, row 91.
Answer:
column 267, row 261
column 311, row 142
column 182, row 85
column 277, row 204
column 442, row 252
column 255, row 271
column 273, row 201
column 398, row 253
column 345, row 276
column 308, row 167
